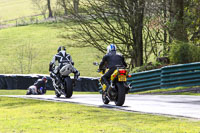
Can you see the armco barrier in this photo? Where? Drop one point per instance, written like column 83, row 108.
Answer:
column 19, row 81
column 166, row 77
column 180, row 75
column 145, row 80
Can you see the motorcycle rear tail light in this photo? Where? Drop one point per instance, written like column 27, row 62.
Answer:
column 122, row 71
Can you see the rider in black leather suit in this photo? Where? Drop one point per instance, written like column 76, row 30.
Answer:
column 60, row 58
column 111, row 60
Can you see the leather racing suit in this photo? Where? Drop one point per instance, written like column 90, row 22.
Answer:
column 111, row 61
column 58, row 62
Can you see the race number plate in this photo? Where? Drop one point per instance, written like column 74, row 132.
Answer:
column 122, row 78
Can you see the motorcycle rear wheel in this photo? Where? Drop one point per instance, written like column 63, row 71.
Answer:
column 68, row 87
column 120, row 94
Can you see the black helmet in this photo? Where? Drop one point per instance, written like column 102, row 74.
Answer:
column 61, row 48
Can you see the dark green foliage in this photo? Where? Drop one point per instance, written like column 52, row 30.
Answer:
column 195, row 53
column 148, row 66
column 182, row 52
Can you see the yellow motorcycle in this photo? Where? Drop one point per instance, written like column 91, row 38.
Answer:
column 118, row 86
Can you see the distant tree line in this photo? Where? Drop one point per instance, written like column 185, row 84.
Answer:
column 45, row 7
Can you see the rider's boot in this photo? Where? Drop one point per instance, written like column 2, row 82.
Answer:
column 58, row 81
column 107, row 87
column 76, row 74
column 106, row 82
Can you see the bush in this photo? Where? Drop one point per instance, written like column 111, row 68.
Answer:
column 182, row 52
column 148, row 66
column 195, row 53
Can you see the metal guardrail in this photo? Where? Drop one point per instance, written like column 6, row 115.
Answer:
column 180, row 75
column 145, row 80
column 166, row 77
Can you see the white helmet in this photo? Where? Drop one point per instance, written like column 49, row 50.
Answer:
column 111, row 47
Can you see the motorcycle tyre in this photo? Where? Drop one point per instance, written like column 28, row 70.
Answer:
column 120, row 94
column 104, row 98
column 68, row 87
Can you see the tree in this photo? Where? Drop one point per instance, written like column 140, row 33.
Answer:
column 63, row 3
column 76, row 6
column 192, row 18
column 178, row 29
column 122, row 24
column 156, row 35
column 49, row 8
column 41, row 6
column 139, row 28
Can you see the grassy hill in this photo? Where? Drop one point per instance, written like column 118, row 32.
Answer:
column 29, row 49
column 11, row 9
column 41, row 41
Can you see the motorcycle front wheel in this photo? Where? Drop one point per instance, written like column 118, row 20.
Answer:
column 121, row 93
column 68, row 87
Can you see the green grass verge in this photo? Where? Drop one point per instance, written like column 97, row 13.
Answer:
column 49, row 92
column 23, row 115
column 185, row 93
column 169, row 89
column 160, row 90
column 36, row 45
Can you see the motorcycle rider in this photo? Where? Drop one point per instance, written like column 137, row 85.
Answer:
column 58, row 62
column 111, row 60
column 39, row 87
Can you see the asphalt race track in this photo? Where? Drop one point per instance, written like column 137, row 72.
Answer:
column 172, row 105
